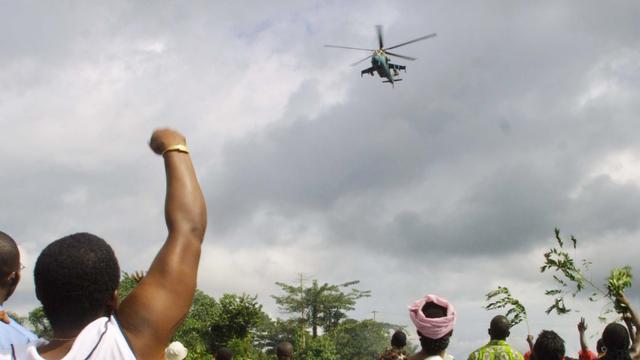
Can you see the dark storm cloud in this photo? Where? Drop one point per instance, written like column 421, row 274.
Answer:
column 489, row 143
column 507, row 100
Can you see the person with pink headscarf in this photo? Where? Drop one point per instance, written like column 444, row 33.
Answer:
column 434, row 318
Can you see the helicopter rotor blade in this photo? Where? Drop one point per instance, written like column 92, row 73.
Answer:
column 347, row 47
column 379, row 31
column 359, row 61
column 400, row 56
column 411, row 41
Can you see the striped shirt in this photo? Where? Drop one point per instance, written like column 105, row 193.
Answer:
column 496, row 350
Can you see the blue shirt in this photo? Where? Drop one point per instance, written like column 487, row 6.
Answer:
column 14, row 333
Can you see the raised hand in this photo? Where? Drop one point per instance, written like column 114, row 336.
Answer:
column 162, row 139
column 582, row 326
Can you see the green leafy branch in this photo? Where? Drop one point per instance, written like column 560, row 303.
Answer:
column 619, row 280
column 571, row 279
column 501, row 298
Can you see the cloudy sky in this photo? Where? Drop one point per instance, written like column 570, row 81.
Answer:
column 517, row 118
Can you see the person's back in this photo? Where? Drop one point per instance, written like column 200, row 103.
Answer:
column 497, row 348
column 11, row 332
column 77, row 278
column 396, row 352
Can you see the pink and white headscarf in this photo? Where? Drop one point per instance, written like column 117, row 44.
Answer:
column 433, row 328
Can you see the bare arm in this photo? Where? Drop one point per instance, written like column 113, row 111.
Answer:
column 152, row 312
column 582, row 327
column 631, row 328
column 635, row 321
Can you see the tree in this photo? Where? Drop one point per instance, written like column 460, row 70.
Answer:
column 318, row 348
column 237, row 317
column 319, row 305
column 360, row 340
column 40, row 323
column 271, row 333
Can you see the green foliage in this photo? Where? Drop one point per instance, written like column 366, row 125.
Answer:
column 237, row 317
column 194, row 332
column 243, row 349
column 571, row 280
column 360, row 340
column 40, row 324
column 319, row 305
column 271, row 333
column 127, row 284
column 558, row 260
column 501, row 298
column 618, row 281
column 318, row 348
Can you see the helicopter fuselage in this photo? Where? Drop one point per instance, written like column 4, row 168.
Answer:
column 380, row 63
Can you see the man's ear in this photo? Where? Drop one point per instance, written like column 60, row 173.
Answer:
column 11, row 283
column 113, row 303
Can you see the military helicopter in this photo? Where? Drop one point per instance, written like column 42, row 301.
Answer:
column 380, row 61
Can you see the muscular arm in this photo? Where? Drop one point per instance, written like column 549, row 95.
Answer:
column 150, row 315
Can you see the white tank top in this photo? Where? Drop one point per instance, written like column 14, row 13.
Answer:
column 102, row 339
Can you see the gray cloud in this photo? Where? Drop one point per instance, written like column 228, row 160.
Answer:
column 496, row 135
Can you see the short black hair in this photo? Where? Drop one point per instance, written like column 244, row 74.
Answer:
column 434, row 346
column 224, row 354
column 616, row 338
column 499, row 327
column 548, row 346
column 399, row 339
column 9, row 254
column 75, row 278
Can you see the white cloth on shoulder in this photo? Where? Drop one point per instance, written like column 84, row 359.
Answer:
column 102, row 339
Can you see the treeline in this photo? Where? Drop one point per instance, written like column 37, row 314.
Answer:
column 317, row 325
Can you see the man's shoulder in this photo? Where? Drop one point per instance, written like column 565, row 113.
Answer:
column 493, row 347
column 14, row 333
column 475, row 354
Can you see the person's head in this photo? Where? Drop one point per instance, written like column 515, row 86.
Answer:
column 499, row 328
column 615, row 338
column 224, row 354
column 77, row 279
column 284, row 351
column 548, row 346
column 399, row 339
column 175, row 351
column 9, row 266
column 434, row 318
column 600, row 348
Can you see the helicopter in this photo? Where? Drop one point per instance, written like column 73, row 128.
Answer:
column 380, row 62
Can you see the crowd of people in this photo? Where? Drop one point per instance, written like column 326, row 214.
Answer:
column 77, row 279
